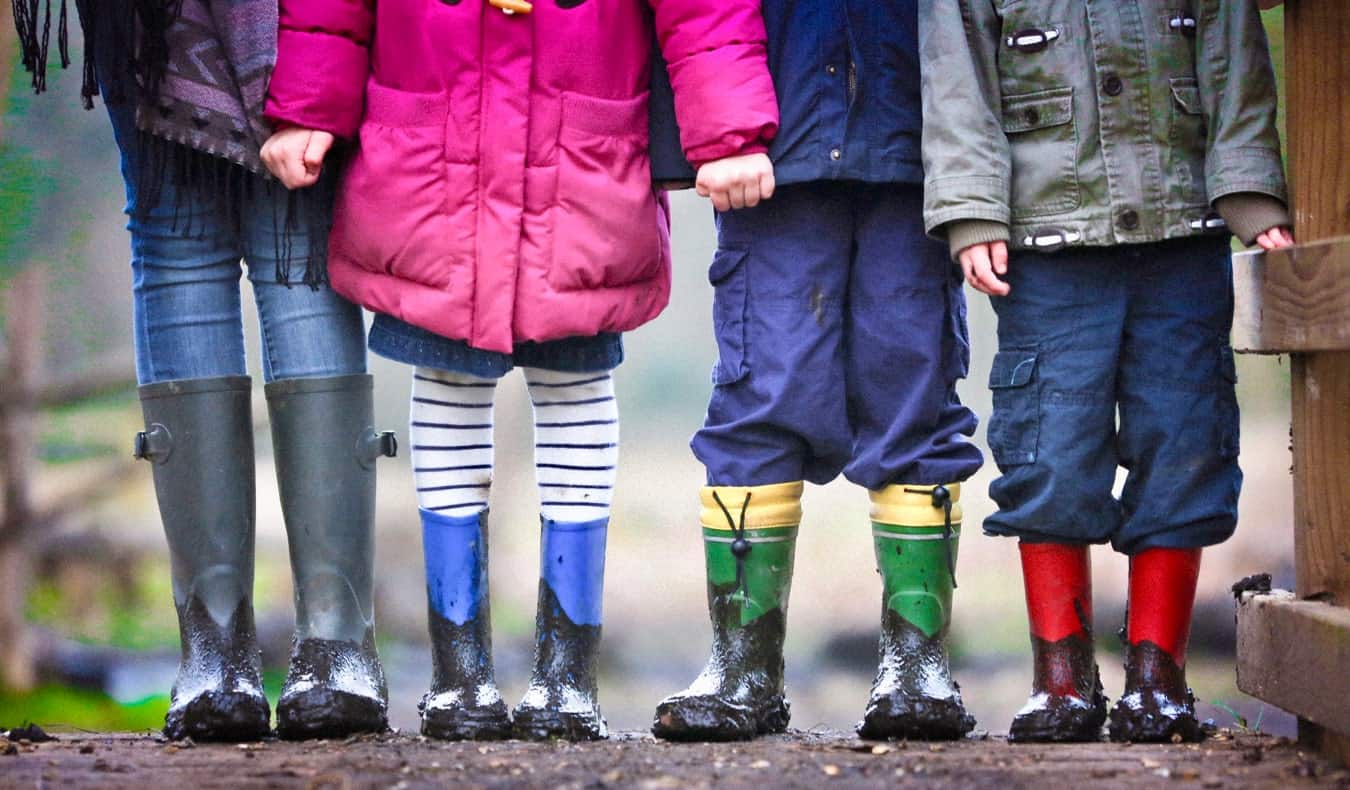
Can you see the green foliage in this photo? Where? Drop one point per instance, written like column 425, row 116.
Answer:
column 1239, row 721
column 21, row 181
column 56, row 708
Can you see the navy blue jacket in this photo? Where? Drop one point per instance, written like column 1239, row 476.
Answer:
column 847, row 77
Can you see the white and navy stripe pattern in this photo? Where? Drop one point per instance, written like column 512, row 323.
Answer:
column 451, row 433
column 576, row 442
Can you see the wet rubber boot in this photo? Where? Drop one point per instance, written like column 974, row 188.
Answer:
column 326, row 447
column 199, row 438
column 464, row 703
column 1067, row 703
column 1157, row 706
column 915, row 531
column 562, row 700
column 749, row 536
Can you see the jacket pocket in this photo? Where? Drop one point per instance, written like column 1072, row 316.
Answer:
column 1015, row 426
column 730, row 301
column 1043, row 139
column 403, row 209
column 606, row 226
column 1186, row 138
column 1229, row 418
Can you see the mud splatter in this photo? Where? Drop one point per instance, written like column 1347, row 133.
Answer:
column 464, row 702
column 562, row 700
column 217, row 695
column 739, row 694
column 1156, row 706
column 334, row 688
column 914, row 695
column 1067, row 703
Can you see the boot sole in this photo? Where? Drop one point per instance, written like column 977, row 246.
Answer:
column 917, row 718
column 545, row 725
column 700, row 719
column 328, row 713
column 229, row 716
column 1137, row 726
column 464, row 724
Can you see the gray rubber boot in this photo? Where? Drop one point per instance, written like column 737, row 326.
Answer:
column 199, row 437
column 326, row 450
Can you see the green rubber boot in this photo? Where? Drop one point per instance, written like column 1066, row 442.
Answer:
column 199, row 438
column 326, row 450
column 749, row 535
column 915, row 531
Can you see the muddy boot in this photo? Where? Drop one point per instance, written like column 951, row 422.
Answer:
column 325, row 449
column 561, row 700
column 199, row 437
column 1157, row 707
column 749, row 535
column 1067, row 703
column 915, row 531
column 464, row 703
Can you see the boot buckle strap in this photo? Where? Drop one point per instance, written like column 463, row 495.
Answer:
column 154, row 444
column 374, row 445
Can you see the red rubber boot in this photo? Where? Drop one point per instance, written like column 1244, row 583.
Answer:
column 1157, row 706
column 1066, row 702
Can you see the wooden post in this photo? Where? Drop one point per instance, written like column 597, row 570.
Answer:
column 24, row 316
column 1317, row 72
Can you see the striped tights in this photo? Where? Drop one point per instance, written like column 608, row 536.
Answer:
column 576, row 430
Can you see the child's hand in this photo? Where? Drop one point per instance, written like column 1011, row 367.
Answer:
column 1275, row 238
column 737, row 181
column 983, row 263
column 295, row 156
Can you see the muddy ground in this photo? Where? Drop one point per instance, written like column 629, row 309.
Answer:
column 799, row 759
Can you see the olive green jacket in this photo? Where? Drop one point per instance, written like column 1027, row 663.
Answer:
column 1095, row 122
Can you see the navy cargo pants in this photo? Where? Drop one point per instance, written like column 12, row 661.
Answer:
column 1138, row 330
column 841, row 333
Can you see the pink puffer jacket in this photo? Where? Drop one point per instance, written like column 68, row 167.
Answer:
column 500, row 189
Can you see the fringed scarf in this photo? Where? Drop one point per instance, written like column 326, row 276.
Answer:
column 197, row 73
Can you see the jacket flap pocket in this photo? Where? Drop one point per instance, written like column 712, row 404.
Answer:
column 1040, row 110
column 1187, row 94
column 1012, row 369
column 608, row 117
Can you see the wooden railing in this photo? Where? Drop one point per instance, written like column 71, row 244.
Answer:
column 1294, row 650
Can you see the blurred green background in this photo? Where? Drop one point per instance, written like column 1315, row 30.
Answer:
column 99, row 640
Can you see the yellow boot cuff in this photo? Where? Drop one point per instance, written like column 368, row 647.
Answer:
column 777, row 505
column 912, row 506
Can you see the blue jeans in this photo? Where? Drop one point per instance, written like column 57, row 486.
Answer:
column 1140, row 330
column 841, row 334
column 185, row 261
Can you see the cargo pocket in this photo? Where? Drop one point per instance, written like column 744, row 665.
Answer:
column 1187, row 142
column 727, row 275
column 1043, row 140
column 1229, row 419
column 606, row 226
column 1015, row 427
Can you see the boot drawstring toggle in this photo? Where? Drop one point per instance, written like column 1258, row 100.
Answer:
column 740, row 547
column 943, row 498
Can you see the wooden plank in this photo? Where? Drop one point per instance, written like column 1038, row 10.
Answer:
column 1321, row 432
column 1294, row 654
column 1294, row 299
column 1317, row 73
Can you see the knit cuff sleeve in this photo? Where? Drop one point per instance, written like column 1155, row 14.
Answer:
column 1249, row 214
column 964, row 233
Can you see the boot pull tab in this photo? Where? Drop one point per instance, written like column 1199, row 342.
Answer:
column 155, row 444
column 374, row 445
